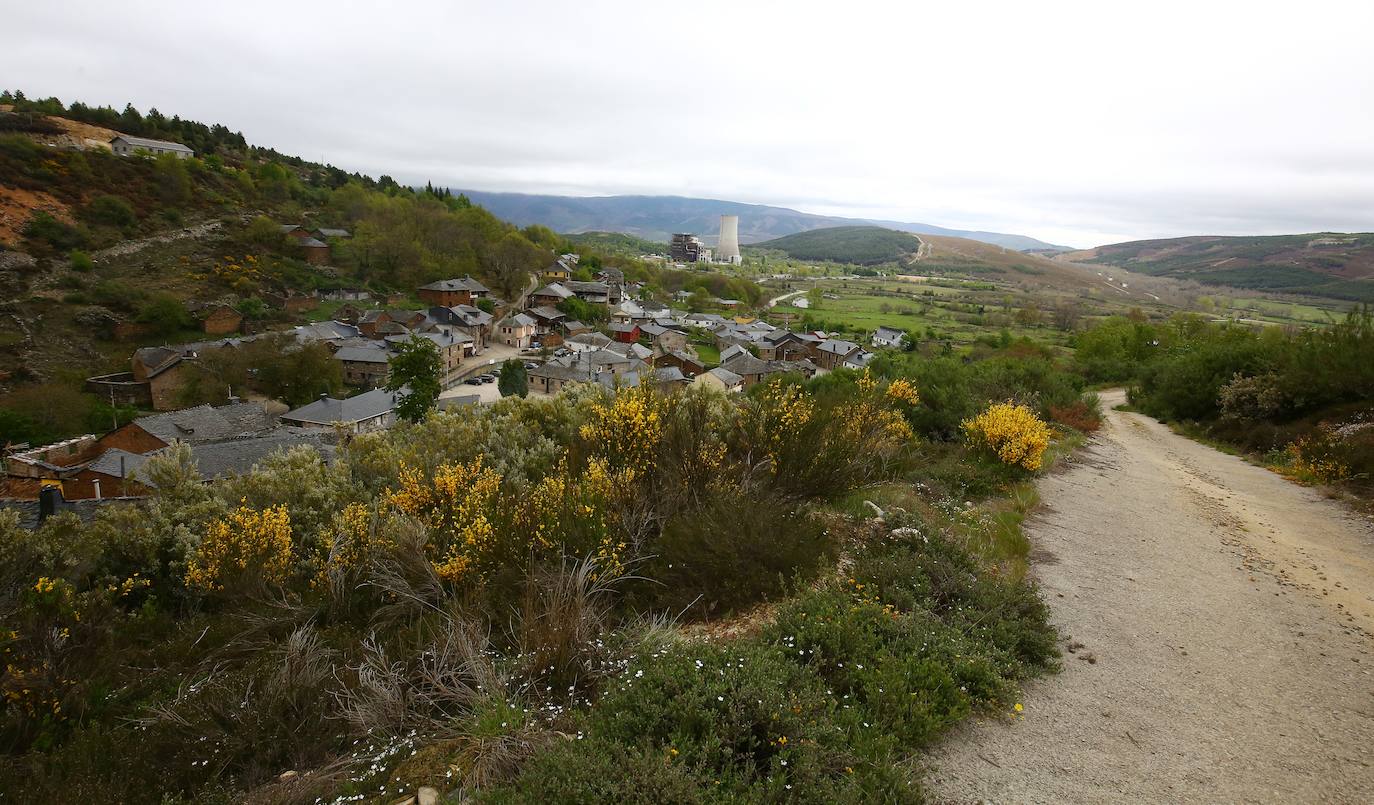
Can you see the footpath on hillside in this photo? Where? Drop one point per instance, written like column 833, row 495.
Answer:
column 1216, row 623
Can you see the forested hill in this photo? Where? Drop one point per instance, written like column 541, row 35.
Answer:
column 656, row 218
column 859, row 245
column 1326, row 264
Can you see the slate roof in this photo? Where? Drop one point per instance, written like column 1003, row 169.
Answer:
column 362, row 355
column 838, row 347
column 458, row 284
column 683, row 356
column 613, row 381
column 205, row 423
column 731, row 352
column 517, row 320
column 554, row 289
column 636, row 350
column 333, row 233
column 888, row 333
column 325, row 331
column 548, row 313
column 108, row 463
column 618, row 327
column 745, row 364
column 353, row 409
column 445, row 403
column 726, row 376
column 669, row 374
column 238, row 456
column 594, row 339
column 314, row 243
column 157, row 360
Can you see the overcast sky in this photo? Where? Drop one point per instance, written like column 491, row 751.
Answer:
column 1078, row 123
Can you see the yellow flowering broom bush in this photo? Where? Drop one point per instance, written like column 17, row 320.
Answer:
column 249, row 544
column 1012, row 432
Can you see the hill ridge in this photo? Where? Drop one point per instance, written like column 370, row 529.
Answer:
column 656, row 217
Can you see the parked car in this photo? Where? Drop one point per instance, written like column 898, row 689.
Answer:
column 475, row 380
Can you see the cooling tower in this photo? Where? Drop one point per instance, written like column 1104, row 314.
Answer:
column 727, row 248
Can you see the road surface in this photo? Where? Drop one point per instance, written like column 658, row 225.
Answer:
column 775, row 300
column 1219, row 618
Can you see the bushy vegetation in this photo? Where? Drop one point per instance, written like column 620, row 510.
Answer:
column 491, row 590
column 1302, row 396
column 858, row 245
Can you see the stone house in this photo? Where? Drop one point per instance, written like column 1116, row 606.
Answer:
column 832, row 353
column 447, row 293
column 221, row 320
column 516, row 330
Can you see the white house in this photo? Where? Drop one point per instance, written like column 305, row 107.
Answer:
column 889, row 337
column 124, row 145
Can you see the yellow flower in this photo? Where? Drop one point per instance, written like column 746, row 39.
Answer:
column 1013, row 432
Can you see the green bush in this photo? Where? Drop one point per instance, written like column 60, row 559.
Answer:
column 60, row 237
column 81, row 261
column 165, row 314
column 733, row 551
column 111, row 211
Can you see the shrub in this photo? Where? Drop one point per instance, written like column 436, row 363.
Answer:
column 1082, row 415
column 1013, row 432
column 734, row 550
column 165, row 314
column 57, row 235
column 81, row 261
column 249, row 546
column 112, row 211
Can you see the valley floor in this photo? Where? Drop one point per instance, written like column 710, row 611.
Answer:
column 1217, row 625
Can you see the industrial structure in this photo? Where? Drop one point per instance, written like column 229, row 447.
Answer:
column 727, row 246
column 686, row 248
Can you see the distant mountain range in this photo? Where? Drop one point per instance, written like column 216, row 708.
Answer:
column 656, row 218
column 1335, row 265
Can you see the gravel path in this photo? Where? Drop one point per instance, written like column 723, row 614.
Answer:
column 1216, row 623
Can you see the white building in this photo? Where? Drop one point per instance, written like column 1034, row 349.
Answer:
column 126, row 145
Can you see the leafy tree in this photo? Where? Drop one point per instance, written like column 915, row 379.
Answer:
column 81, row 261
column 584, row 311
column 542, row 236
column 415, row 369
column 514, row 379
column 298, row 374
column 252, row 308
column 264, row 232
column 165, row 313
column 814, row 297
column 510, row 263
column 486, row 305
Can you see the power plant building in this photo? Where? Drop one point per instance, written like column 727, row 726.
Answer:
column 727, row 246
column 686, row 248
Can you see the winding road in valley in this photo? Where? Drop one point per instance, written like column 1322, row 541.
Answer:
column 1216, row 624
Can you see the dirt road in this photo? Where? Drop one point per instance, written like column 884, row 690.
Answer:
column 1219, row 618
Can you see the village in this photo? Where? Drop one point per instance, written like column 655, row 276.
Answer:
column 638, row 342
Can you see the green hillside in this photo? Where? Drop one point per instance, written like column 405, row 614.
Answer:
column 1325, row 264
column 859, row 245
column 617, row 243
